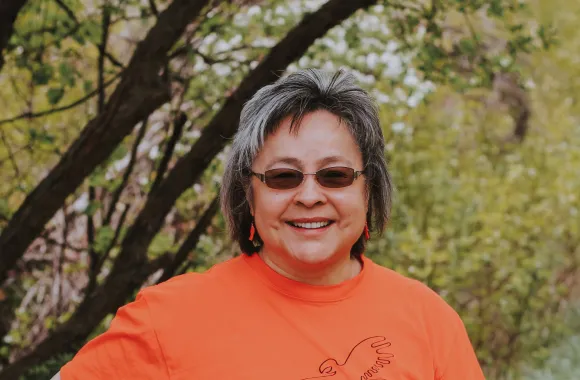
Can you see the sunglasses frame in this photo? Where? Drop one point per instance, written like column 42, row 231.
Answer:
column 262, row 177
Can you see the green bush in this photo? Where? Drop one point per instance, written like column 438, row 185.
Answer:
column 563, row 364
column 47, row 369
column 491, row 227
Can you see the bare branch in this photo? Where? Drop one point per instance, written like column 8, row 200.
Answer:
column 93, row 255
column 50, row 241
column 132, row 160
column 67, row 10
column 114, row 60
column 31, row 115
column 102, row 53
column 10, row 153
column 127, row 273
column 97, row 265
column 178, row 124
column 153, row 8
column 515, row 97
column 143, row 88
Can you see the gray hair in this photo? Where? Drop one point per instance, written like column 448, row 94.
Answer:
column 296, row 95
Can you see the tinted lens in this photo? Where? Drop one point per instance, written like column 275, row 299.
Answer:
column 335, row 177
column 283, row 178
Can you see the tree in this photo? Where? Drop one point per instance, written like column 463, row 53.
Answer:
column 128, row 273
column 183, row 86
column 141, row 90
column 8, row 11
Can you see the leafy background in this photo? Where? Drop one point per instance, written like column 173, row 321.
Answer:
column 479, row 107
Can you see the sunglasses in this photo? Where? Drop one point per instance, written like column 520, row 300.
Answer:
column 284, row 179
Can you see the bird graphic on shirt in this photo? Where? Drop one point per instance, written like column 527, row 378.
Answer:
column 372, row 350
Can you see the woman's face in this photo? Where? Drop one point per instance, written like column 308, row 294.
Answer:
column 321, row 142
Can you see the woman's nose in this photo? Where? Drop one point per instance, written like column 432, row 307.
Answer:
column 310, row 192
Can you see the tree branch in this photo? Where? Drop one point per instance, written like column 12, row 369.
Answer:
column 67, row 10
column 114, row 60
column 153, row 8
column 93, row 255
column 97, row 265
column 132, row 160
column 178, row 124
column 141, row 91
column 8, row 12
column 32, row 115
column 10, row 153
column 126, row 275
column 515, row 97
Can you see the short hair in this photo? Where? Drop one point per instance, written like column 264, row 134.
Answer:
column 295, row 96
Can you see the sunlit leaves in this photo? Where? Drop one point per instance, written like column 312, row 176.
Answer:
column 483, row 222
column 103, row 239
column 54, row 95
column 43, row 74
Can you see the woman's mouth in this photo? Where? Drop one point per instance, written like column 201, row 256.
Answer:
column 311, row 225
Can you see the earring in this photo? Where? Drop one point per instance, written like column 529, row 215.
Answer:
column 252, row 232
column 367, row 235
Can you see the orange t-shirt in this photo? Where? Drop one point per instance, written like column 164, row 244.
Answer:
column 241, row 320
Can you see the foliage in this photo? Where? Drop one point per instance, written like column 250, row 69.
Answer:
column 491, row 230
column 487, row 220
column 562, row 363
column 47, row 369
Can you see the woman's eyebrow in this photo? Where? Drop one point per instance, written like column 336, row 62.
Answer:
column 299, row 164
column 285, row 160
column 332, row 159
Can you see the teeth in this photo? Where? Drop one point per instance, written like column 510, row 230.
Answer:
column 311, row 225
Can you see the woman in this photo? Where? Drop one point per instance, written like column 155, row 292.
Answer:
column 305, row 184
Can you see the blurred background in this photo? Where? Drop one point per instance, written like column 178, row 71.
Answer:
column 115, row 118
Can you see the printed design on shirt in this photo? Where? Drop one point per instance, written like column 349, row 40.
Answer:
column 373, row 350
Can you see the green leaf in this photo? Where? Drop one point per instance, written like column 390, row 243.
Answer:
column 468, row 46
column 161, row 244
column 88, row 86
column 40, row 136
column 54, row 95
column 495, row 8
column 43, row 74
column 4, row 209
column 92, row 208
column 67, row 74
column 103, row 238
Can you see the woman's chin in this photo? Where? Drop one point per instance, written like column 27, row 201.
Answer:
column 311, row 255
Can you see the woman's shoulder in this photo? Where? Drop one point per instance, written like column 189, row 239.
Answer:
column 414, row 292
column 194, row 286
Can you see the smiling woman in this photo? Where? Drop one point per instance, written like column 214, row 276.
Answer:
column 305, row 184
column 308, row 227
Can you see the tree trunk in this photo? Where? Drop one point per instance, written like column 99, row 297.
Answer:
column 124, row 278
column 8, row 11
column 141, row 91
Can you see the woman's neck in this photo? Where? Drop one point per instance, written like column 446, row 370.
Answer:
column 331, row 273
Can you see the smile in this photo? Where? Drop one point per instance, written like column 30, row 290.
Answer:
column 310, row 225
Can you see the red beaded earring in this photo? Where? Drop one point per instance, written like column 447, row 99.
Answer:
column 252, row 232
column 367, row 235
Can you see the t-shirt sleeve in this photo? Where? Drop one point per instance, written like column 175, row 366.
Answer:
column 128, row 350
column 453, row 354
column 458, row 360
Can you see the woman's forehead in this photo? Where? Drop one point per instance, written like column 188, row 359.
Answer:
column 320, row 139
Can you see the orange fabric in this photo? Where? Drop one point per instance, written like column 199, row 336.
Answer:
column 241, row 320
